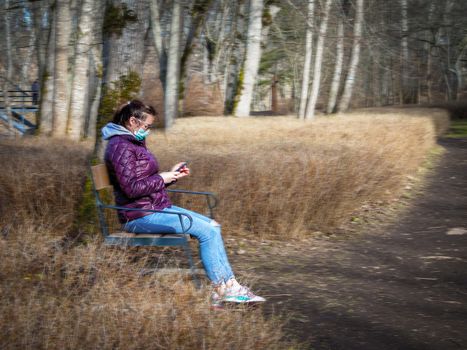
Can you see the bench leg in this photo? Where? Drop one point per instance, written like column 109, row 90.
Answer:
column 187, row 249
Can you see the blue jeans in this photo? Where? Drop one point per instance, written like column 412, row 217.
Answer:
column 206, row 231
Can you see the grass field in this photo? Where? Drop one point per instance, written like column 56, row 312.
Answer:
column 277, row 177
column 458, row 129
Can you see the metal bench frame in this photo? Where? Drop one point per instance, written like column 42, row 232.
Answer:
column 100, row 180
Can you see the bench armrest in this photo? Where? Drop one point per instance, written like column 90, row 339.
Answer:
column 211, row 199
column 168, row 212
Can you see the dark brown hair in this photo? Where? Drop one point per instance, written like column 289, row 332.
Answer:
column 134, row 108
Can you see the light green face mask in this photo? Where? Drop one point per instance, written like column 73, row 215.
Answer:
column 141, row 134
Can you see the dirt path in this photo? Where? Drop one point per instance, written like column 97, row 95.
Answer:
column 404, row 288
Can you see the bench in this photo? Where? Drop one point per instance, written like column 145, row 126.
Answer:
column 100, row 182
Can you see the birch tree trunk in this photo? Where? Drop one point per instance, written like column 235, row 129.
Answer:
column 199, row 13
column 355, row 56
column 253, row 56
column 235, row 60
column 220, row 44
column 60, row 101
column 47, row 86
column 96, row 62
column 308, row 59
column 173, row 67
column 80, row 84
column 311, row 105
column 336, row 78
column 158, row 42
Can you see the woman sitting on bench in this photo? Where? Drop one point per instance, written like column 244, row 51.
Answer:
column 134, row 173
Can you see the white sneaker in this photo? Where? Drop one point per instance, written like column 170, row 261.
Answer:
column 241, row 295
column 216, row 300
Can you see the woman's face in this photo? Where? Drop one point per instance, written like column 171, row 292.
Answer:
column 134, row 124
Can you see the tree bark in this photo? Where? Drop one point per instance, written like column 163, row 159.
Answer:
column 446, row 28
column 220, row 44
column 308, row 59
column 80, row 84
column 355, row 56
column 30, row 50
column 235, row 60
column 158, row 42
column 47, row 79
column 311, row 105
column 405, row 92
column 42, row 35
column 123, row 52
column 96, row 64
column 274, row 97
column 430, row 40
column 60, row 101
column 173, row 67
column 253, row 57
column 9, row 64
column 336, row 78
column 96, row 76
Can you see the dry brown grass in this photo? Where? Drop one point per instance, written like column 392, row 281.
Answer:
column 281, row 177
column 275, row 177
column 94, row 298
column 87, row 296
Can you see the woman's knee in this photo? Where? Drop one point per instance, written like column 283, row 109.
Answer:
column 215, row 223
column 206, row 232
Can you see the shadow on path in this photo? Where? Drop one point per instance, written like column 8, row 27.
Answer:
column 404, row 288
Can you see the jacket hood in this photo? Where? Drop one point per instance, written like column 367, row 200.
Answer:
column 112, row 129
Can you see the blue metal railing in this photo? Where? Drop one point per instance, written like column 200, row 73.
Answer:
column 20, row 101
column 20, row 98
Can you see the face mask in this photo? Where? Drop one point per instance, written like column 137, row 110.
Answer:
column 141, row 134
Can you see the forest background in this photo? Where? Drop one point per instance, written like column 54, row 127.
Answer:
column 224, row 57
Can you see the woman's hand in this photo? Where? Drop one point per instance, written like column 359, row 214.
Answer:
column 169, row 176
column 172, row 176
column 182, row 169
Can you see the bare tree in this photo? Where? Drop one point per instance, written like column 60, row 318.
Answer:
column 336, row 78
column 95, row 62
column 123, row 42
column 355, row 56
column 308, row 59
column 235, row 57
column 451, row 91
column 311, row 104
column 429, row 48
column 9, row 63
column 47, row 90
column 406, row 93
column 80, row 84
column 173, row 67
column 60, row 102
column 253, row 56
column 41, row 19
column 159, row 44
column 31, row 48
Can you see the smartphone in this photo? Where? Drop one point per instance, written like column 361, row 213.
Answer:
column 184, row 164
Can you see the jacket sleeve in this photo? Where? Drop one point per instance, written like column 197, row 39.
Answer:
column 124, row 164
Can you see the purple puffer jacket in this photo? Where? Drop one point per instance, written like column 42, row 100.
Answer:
column 133, row 172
